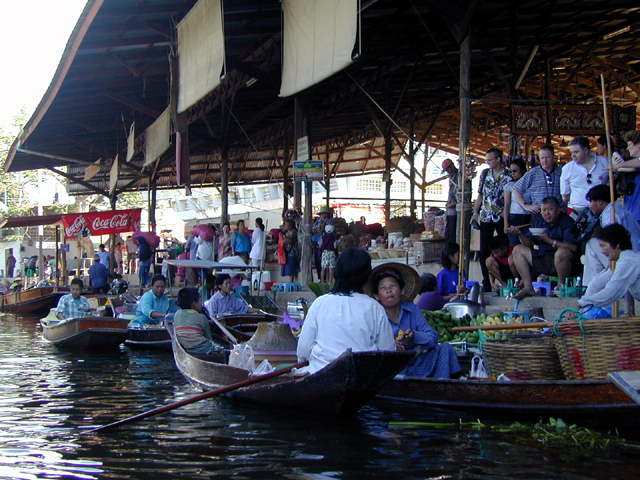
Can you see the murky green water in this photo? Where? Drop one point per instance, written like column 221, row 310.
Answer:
column 48, row 398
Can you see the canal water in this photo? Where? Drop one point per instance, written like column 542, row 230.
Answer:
column 48, row 398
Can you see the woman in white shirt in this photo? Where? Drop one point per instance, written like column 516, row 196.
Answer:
column 345, row 317
column 257, row 244
column 514, row 214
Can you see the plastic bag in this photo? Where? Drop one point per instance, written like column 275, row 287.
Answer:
column 478, row 369
column 242, row 357
column 264, row 368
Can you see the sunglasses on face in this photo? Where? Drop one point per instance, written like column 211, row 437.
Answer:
column 588, row 178
column 549, row 179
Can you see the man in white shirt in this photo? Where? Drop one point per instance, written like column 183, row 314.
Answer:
column 584, row 171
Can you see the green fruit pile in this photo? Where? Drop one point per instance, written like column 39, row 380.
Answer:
column 442, row 322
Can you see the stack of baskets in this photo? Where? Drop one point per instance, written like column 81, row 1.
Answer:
column 591, row 349
column 523, row 358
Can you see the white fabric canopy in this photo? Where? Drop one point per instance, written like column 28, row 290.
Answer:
column 113, row 175
column 131, row 143
column 319, row 37
column 157, row 137
column 200, row 52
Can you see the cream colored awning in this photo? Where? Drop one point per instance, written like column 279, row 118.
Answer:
column 319, row 37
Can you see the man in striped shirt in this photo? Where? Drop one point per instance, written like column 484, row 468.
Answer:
column 540, row 182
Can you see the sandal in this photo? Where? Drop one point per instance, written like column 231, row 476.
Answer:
column 522, row 294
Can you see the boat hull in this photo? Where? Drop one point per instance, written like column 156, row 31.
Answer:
column 149, row 338
column 31, row 300
column 531, row 397
column 89, row 333
column 340, row 389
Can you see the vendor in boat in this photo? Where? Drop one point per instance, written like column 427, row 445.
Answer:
column 609, row 286
column 192, row 326
column 224, row 300
column 73, row 305
column 207, row 290
column 346, row 317
column 395, row 285
column 153, row 305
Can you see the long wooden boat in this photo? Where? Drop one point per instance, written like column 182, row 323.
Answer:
column 32, row 299
column 86, row 333
column 149, row 338
column 561, row 397
column 246, row 322
column 339, row 389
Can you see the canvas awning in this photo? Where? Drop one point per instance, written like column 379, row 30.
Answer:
column 19, row 222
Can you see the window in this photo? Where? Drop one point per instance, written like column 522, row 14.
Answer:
column 398, row 187
column 434, row 189
column 369, row 185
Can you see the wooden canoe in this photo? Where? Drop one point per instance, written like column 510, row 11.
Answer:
column 32, row 299
column 245, row 322
column 562, row 397
column 340, row 389
column 91, row 334
column 149, row 338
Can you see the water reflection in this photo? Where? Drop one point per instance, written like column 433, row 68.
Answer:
column 48, row 397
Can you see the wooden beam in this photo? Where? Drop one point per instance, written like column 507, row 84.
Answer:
column 86, row 185
column 131, row 103
column 616, row 75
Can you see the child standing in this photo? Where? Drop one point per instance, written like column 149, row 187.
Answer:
column 328, row 252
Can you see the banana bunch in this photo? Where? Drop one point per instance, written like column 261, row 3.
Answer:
column 494, row 319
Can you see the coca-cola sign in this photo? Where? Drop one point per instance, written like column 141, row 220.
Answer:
column 101, row 223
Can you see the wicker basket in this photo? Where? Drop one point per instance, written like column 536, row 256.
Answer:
column 523, row 358
column 591, row 349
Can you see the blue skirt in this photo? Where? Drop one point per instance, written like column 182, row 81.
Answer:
column 438, row 362
column 291, row 268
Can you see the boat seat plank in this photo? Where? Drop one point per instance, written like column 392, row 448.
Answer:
column 628, row 382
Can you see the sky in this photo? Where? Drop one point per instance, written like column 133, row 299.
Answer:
column 34, row 33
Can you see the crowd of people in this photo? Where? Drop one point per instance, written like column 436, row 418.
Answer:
column 550, row 220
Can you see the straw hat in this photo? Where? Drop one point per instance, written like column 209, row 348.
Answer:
column 406, row 272
column 325, row 210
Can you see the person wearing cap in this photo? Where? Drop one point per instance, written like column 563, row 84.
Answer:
column 317, row 232
column 73, row 305
column 328, row 254
column 452, row 216
column 395, row 285
column 345, row 317
column 99, row 276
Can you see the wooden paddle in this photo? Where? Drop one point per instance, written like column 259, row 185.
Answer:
column 506, row 326
column 202, row 396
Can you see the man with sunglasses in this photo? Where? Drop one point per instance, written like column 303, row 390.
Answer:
column 540, row 182
column 583, row 172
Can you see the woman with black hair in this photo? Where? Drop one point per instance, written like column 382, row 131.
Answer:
column 257, row 244
column 609, row 286
column 448, row 277
column 346, row 317
column 429, row 299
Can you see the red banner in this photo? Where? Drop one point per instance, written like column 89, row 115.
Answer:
column 101, row 223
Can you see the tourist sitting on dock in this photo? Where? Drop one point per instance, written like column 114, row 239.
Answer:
column 498, row 262
column 550, row 253
column 595, row 261
column 395, row 285
column 192, row 326
column 224, row 300
column 610, row 286
column 429, row 299
column 73, row 305
column 153, row 305
column 448, row 277
column 346, row 317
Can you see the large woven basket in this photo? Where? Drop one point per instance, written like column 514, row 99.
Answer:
column 523, row 358
column 591, row 349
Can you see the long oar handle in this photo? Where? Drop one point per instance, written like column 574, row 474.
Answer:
column 506, row 326
column 202, row 396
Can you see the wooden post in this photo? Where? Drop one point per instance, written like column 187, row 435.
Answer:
column 286, row 162
column 388, row 148
column 301, row 122
column 616, row 305
column 224, row 187
column 63, row 261
column 57, row 269
column 412, row 174
column 464, row 203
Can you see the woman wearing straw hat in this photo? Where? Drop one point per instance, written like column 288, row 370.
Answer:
column 395, row 285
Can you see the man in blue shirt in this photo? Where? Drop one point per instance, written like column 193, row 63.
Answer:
column 105, row 257
column 550, row 253
column 73, row 305
column 99, row 276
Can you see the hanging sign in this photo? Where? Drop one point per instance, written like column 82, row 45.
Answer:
column 302, row 149
column 308, row 171
column 101, row 223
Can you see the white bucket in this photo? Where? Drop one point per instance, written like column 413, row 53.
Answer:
column 255, row 277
